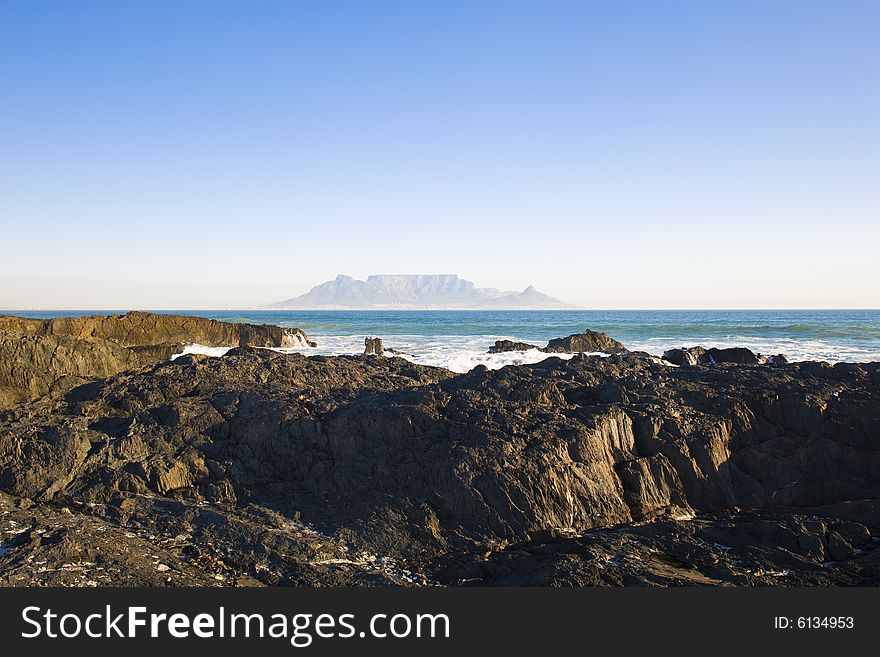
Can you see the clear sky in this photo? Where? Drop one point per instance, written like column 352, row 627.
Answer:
column 623, row 154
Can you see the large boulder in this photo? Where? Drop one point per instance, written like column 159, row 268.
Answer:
column 502, row 346
column 735, row 355
column 684, row 356
column 589, row 341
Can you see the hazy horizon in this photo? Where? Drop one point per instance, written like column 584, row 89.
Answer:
column 266, row 306
column 634, row 155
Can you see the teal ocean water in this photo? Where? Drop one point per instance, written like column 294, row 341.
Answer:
column 459, row 339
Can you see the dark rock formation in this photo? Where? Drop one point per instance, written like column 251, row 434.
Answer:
column 736, row 548
column 509, row 345
column 36, row 365
column 738, row 355
column 684, row 356
column 373, row 347
column 735, row 355
column 140, row 328
column 40, row 357
column 589, row 341
column 287, row 469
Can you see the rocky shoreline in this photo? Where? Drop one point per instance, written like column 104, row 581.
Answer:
column 50, row 356
column 119, row 467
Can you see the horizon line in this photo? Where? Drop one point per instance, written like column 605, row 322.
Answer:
column 407, row 310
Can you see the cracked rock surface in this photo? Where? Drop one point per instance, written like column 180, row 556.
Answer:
column 262, row 468
column 41, row 357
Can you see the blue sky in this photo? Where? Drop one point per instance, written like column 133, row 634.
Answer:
column 614, row 154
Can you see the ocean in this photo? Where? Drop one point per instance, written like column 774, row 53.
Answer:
column 458, row 340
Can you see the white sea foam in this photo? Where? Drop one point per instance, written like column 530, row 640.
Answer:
column 455, row 353
column 465, row 361
column 193, row 348
column 792, row 349
column 461, row 354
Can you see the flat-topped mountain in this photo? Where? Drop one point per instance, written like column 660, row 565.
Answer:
column 406, row 292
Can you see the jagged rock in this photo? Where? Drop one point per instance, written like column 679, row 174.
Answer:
column 701, row 356
column 738, row 548
column 509, row 345
column 651, row 486
column 49, row 357
column 738, row 355
column 141, row 328
column 684, row 356
column 588, row 341
column 839, row 548
column 373, row 347
column 35, row 365
column 154, row 353
column 414, row 463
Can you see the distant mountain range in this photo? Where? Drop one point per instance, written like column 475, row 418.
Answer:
column 414, row 292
